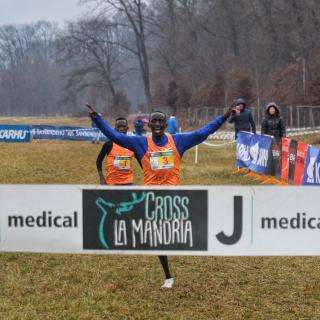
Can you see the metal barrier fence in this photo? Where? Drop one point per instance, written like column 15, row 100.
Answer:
column 291, row 132
column 293, row 116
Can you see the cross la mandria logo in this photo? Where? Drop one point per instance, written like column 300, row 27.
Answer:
column 145, row 220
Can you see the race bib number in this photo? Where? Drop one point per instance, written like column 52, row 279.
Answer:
column 122, row 163
column 161, row 160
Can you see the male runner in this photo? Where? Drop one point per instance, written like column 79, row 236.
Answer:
column 119, row 169
column 160, row 155
column 119, row 160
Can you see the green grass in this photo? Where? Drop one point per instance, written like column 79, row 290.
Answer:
column 43, row 286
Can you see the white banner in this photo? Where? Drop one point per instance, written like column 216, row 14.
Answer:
column 217, row 220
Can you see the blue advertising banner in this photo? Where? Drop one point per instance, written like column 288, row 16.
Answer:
column 260, row 153
column 253, row 151
column 42, row 132
column 312, row 168
column 243, row 149
column 14, row 133
column 317, row 170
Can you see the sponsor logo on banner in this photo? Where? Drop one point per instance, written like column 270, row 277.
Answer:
column 261, row 222
column 237, row 224
column 292, row 159
column 317, row 170
column 285, row 158
column 13, row 133
column 45, row 220
column 274, row 167
column 253, row 151
column 264, row 222
column 310, row 170
column 259, row 152
column 40, row 218
column 302, row 151
column 243, row 149
column 310, row 167
column 300, row 220
column 66, row 133
column 145, row 219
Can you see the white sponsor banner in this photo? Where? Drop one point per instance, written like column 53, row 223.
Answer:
column 40, row 218
column 199, row 220
column 273, row 221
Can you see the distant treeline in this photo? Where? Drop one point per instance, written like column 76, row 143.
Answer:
column 178, row 53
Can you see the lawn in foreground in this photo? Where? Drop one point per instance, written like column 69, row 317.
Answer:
column 40, row 286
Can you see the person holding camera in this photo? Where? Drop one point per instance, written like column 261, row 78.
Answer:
column 242, row 118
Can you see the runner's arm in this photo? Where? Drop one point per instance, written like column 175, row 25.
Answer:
column 185, row 141
column 105, row 150
column 232, row 119
column 137, row 144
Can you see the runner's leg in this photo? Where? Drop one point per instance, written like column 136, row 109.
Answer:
column 165, row 266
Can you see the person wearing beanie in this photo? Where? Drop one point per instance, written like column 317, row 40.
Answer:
column 272, row 124
column 242, row 119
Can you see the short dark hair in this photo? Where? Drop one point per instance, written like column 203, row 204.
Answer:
column 121, row 119
column 157, row 111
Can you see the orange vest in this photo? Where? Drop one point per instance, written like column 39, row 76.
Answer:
column 161, row 165
column 119, row 166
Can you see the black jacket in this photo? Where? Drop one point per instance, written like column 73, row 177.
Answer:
column 273, row 125
column 243, row 122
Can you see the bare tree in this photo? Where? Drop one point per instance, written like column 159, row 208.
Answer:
column 29, row 76
column 90, row 49
column 133, row 16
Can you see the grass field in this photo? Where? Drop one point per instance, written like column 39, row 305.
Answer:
column 40, row 286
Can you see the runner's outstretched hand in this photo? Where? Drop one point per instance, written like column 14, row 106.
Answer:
column 91, row 110
column 230, row 112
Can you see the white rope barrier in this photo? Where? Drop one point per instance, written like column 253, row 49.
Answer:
column 210, row 145
column 302, row 133
column 218, row 145
column 291, row 132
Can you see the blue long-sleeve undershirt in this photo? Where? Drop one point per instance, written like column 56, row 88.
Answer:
column 139, row 145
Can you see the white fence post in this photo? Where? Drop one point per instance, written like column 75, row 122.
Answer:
column 196, row 154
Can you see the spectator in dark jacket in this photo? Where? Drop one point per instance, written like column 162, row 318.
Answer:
column 273, row 124
column 242, row 119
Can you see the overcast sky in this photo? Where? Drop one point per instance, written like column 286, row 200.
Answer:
column 26, row 11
